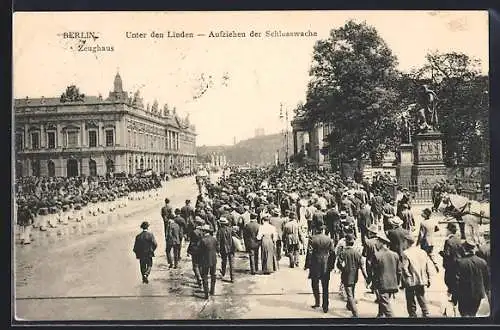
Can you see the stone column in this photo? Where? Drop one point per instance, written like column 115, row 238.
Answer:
column 83, row 134
column 42, row 138
column 60, row 136
column 100, row 135
column 27, row 137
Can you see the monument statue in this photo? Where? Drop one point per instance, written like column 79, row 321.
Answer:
column 427, row 115
column 72, row 94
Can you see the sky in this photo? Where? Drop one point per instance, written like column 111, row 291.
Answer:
column 250, row 76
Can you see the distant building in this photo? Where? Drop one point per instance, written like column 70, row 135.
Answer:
column 218, row 159
column 259, row 132
column 87, row 135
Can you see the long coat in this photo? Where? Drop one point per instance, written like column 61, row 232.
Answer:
column 208, row 251
column 145, row 245
column 473, row 278
column 225, row 244
column 250, row 235
column 174, row 233
column 320, row 258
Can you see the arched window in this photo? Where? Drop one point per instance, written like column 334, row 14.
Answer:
column 141, row 166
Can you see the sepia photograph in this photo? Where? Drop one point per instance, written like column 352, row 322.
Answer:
column 250, row 165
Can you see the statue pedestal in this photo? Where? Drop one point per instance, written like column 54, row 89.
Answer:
column 428, row 165
column 404, row 170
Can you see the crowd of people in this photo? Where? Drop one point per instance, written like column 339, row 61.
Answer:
column 338, row 223
column 48, row 202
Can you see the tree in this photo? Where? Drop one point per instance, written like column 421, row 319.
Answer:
column 353, row 86
column 462, row 106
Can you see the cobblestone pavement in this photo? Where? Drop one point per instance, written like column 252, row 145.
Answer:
column 96, row 277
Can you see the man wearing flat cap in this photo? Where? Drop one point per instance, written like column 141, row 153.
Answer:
column 417, row 271
column 144, row 247
column 372, row 245
column 387, row 276
column 397, row 235
column 473, row 280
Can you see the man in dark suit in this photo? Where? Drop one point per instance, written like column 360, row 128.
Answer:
column 320, row 261
column 251, row 243
column 278, row 222
column 183, row 229
column 452, row 251
column 350, row 262
column 173, row 241
column 332, row 222
column 194, row 248
column 372, row 245
column 187, row 213
column 397, row 235
column 144, row 247
column 473, row 281
column 208, row 260
column 225, row 246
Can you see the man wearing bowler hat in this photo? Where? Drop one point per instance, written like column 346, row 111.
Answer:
column 320, row 261
column 144, row 247
column 208, row 260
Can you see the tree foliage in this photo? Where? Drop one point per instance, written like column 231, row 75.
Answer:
column 462, row 105
column 353, row 85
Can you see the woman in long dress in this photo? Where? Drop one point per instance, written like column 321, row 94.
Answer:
column 267, row 235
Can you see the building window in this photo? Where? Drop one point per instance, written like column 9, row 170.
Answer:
column 152, row 142
column 51, row 168
column 109, row 138
column 134, row 140
column 92, row 139
column 35, row 140
column 19, row 141
column 51, row 140
column 72, row 139
column 129, row 141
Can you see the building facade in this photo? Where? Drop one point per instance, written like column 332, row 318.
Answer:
column 86, row 135
column 310, row 139
column 218, row 159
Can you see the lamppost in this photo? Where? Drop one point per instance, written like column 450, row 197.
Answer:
column 285, row 132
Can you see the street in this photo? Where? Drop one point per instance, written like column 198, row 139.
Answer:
column 96, row 277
